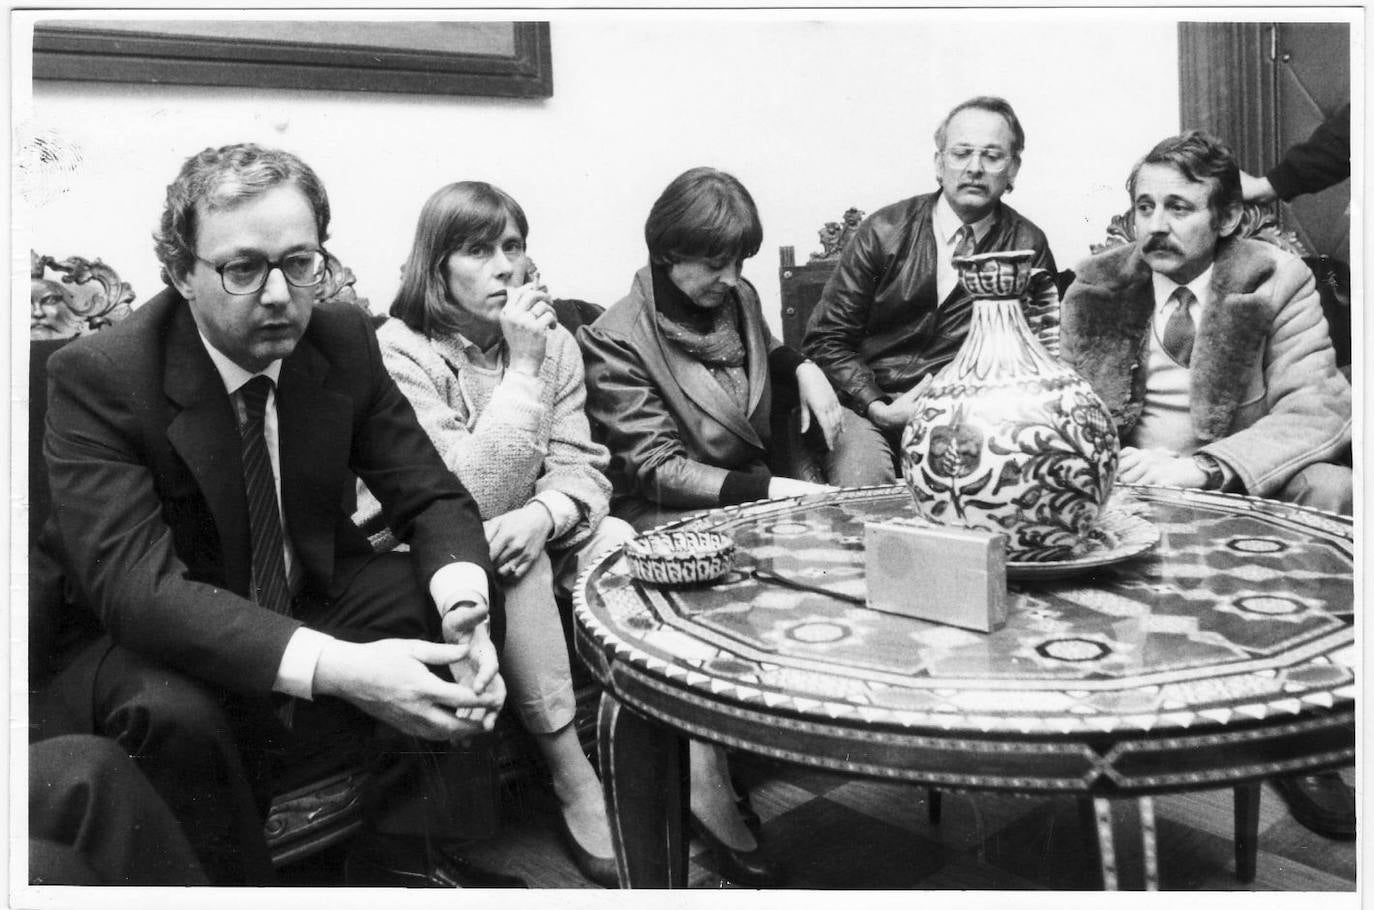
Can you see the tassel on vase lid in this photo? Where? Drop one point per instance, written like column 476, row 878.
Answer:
column 1007, row 438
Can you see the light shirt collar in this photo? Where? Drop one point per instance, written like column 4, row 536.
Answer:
column 233, row 375
column 1201, row 286
column 459, row 344
column 947, row 223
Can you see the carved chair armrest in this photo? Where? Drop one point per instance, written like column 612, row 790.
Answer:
column 74, row 296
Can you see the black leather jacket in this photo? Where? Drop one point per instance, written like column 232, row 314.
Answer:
column 878, row 328
column 676, row 439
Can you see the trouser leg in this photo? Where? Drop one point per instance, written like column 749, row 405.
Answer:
column 569, row 563
column 96, row 820
column 535, row 656
column 797, row 454
column 383, row 599
column 861, row 455
column 421, row 788
column 53, row 863
column 205, row 753
column 1324, row 486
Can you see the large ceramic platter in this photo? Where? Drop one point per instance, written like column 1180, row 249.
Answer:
column 1119, row 535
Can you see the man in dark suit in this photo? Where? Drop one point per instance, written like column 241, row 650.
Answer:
column 216, row 605
column 893, row 313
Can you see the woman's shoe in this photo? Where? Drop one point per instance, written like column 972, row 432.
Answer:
column 743, row 867
column 598, row 869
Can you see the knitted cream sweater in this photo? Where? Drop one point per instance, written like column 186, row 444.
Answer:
column 508, row 437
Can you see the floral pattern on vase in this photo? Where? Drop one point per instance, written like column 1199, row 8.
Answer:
column 1007, row 438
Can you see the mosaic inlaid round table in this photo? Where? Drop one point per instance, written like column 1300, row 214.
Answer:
column 1221, row 657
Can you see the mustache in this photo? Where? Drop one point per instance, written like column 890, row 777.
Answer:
column 1161, row 245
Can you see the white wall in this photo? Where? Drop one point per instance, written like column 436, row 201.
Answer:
column 813, row 115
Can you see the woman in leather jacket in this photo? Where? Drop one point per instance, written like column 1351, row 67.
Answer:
column 682, row 372
column 681, row 376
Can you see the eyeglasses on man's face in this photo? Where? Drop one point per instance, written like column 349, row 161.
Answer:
column 994, row 160
column 248, row 274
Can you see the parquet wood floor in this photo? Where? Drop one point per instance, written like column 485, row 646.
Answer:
column 836, row 832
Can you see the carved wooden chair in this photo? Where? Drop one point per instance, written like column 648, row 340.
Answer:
column 802, row 284
column 74, row 297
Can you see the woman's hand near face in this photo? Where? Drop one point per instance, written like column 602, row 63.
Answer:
column 818, row 398
column 516, row 539
column 526, row 320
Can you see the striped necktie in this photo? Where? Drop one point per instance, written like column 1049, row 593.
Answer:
column 963, row 242
column 1179, row 330
column 264, row 517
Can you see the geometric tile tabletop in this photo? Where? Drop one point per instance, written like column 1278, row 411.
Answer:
column 1241, row 614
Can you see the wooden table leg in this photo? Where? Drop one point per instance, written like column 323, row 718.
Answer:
column 1123, row 833
column 1247, row 803
column 643, row 770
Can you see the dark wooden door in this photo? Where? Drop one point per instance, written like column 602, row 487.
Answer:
column 1263, row 86
column 1312, row 80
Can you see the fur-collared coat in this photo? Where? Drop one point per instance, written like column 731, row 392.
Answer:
column 1266, row 399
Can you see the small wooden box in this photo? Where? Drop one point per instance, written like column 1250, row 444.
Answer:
column 948, row 575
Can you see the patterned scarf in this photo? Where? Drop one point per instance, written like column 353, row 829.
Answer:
column 714, row 341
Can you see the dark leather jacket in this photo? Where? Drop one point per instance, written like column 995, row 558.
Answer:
column 878, row 328
column 675, row 437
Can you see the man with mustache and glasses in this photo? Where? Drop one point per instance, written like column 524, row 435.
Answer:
column 1213, row 356
column 201, row 592
column 893, row 313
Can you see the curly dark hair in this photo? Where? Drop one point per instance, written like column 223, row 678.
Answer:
column 222, row 178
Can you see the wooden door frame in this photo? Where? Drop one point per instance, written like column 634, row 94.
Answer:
column 1228, row 86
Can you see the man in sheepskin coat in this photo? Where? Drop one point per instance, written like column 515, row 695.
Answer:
column 1212, row 354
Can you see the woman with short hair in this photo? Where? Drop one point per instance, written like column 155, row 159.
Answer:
column 682, row 371
column 680, row 376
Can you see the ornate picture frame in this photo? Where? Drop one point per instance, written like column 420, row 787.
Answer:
column 506, row 59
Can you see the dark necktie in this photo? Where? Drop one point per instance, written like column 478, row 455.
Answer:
column 963, row 242
column 264, row 518
column 1179, row 330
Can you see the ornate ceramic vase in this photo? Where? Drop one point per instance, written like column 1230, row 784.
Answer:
column 1007, row 438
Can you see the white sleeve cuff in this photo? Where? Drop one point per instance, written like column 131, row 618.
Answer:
column 296, row 674
column 562, row 508
column 457, row 582
column 523, row 383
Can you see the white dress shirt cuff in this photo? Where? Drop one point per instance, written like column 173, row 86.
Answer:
column 296, row 673
column 458, row 582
